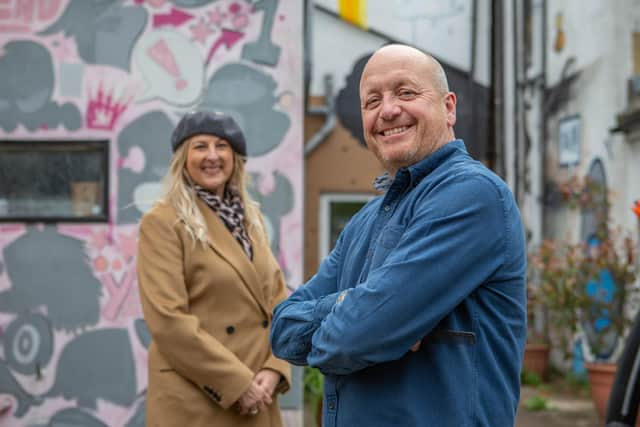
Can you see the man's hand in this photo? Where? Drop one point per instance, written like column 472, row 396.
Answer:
column 254, row 399
column 268, row 379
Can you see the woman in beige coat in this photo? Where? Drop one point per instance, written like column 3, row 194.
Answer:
column 208, row 284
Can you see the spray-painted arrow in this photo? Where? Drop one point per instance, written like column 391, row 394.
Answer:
column 227, row 38
column 175, row 17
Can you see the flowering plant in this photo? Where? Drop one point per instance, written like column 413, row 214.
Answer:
column 582, row 193
column 585, row 286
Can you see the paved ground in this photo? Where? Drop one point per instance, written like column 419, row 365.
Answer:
column 567, row 410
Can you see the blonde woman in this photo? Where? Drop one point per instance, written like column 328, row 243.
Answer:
column 208, row 284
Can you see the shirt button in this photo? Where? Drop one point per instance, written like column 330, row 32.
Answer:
column 230, row 330
column 265, row 323
column 332, row 406
column 387, row 208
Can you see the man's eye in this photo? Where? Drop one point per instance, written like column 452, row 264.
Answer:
column 372, row 103
column 406, row 93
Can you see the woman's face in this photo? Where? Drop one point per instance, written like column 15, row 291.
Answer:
column 209, row 162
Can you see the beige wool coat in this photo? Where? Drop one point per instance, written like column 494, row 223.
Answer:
column 209, row 312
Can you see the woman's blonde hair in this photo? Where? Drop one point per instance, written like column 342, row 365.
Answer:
column 179, row 193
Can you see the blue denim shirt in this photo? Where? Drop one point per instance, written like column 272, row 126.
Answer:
column 439, row 258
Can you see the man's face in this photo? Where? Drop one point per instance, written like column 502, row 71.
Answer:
column 405, row 118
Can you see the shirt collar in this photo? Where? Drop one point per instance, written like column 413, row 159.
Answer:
column 422, row 168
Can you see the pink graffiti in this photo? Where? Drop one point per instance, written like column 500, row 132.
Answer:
column 216, row 17
column 128, row 246
column 161, row 54
column 240, row 21
column 119, row 292
column 134, row 161
column 227, row 38
column 10, row 232
column 235, row 8
column 19, row 15
column 103, row 111
column 200, row 32
column 98, row 240
column 175, row 18
column 65, row 49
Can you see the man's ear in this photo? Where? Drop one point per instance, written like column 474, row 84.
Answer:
column 450, row 104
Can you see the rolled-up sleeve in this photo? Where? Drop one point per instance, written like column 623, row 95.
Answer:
column 297, row 318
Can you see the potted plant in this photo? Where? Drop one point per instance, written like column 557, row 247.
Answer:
column 585, row 287
column 313, row 387
column 535, row 363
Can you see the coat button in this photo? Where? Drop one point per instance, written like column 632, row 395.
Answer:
column 265, row 324
column 230, row 330
column 332, row 406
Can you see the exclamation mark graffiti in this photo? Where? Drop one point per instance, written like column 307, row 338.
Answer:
column 162, row 56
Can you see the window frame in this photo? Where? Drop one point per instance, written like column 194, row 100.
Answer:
column 325, row 211
column 101, row 146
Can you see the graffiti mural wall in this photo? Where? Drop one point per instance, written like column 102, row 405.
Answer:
column 72, row 340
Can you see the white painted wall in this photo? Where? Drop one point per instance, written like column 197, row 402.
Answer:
column 337, row 44
column 598, row 36
column 440, row 27
column 482, row 39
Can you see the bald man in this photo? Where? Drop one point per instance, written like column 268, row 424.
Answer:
column 418, row 316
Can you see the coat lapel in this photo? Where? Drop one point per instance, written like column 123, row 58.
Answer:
column 226, row 246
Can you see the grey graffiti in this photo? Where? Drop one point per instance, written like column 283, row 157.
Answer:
column 348, row 101
column 74, row 417
column 98, row 26
column 143, row 332
column 275, row 204
column 264, row 51
column 26, row 87
column 191, row 3
column 28, row 343
column 248, row 95
column 151, row 133
column 139, row 418
column 97, row 365
column 46, row 268
column 9, row 385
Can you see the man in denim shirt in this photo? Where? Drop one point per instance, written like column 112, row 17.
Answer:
column 418, row 316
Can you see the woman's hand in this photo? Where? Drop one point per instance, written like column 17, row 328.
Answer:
column 254, row 399
column 268, row 379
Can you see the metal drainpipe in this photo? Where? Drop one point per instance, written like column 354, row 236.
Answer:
column 308, row 48
column 327, row 110
column 543, row 118
column 496, row 141
column 517, row 141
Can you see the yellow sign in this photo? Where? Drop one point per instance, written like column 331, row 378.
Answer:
column 354, row 11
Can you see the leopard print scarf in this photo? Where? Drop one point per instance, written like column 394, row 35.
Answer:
column 231, row 211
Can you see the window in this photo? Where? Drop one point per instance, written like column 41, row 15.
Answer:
column 54, row 181
column 335, row 211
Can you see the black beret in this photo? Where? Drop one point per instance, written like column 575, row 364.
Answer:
column 208, row 123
